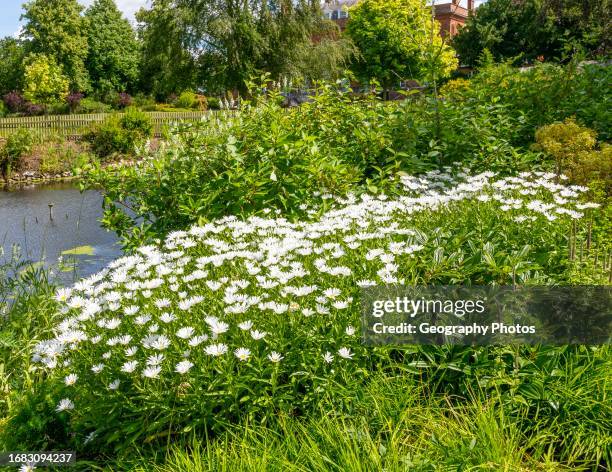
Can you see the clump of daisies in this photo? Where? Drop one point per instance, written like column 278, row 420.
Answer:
column 263, row 300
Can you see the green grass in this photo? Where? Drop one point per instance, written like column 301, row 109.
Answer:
column 26, row 319
column 397, row 426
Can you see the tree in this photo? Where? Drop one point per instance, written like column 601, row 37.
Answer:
column 57, row 29
column 11, row 64
column 167, row 65
column 113, row 51
column 222, row 43
column 528, row 29
column 44, row 82
column 327, row 59
column 398, row 40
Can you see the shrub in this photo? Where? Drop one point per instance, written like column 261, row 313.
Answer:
column 151, row 107
column 163, row 107
column 143, row 101
column 17, row 145
column 59, row 155
column 120, row 133
column 594, row 168
column 58, row 108
column 3, row 110
column 546, row 93
column 124, row 100
column 201, row 102
column 490, row 124
column 34, row 109
column 89, row 105
column 574, row 149
column 454, row 87
column 213, row 103
column 565, row 142
column 137, row 123
column 108, row 137
column 265, row 157
column 186, row 99
column 73, row 100
column 14, row 101
column 44, row 80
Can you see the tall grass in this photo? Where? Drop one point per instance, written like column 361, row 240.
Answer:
column 26, row 314
column 397, row 426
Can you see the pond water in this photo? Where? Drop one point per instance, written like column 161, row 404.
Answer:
column 74, row 233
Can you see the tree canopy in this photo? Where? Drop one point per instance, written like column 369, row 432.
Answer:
column 12, row 55
column 44, row 82
column 167, row 64
column 526, row 29
column 113, row 51
column 57, row 29
column 397, row 40
column 221, row 43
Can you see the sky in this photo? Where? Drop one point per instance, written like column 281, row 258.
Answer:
column 10, row 11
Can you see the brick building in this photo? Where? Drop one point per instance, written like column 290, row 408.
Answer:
column 451, row 15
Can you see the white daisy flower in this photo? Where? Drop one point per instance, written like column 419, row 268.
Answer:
column 129, row 367
column 151, row 371
column 242, row 353
column 167, row 317
column 96, row 369
column 246, row 325
column 185, row 332
column 130, row 351
column 345, row 353
column 64, row 404
column 155, row 359
column 183, row 367
column 71, row 379
column 216, row 350
column 197, row 340
column 258, row 334
column 275, row 357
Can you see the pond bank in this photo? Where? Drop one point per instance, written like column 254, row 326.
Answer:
column 34, row 178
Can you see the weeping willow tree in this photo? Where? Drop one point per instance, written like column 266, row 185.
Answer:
column 222, row 43
column 167, row 65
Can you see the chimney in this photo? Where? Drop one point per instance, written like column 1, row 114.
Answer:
column 470, row 5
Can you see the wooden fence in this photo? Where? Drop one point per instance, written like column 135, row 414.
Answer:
column 71, row 126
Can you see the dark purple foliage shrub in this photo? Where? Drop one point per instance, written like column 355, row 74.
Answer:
column 73, row 99
column 124, row 100
column 33, row 109
column 14, row 101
